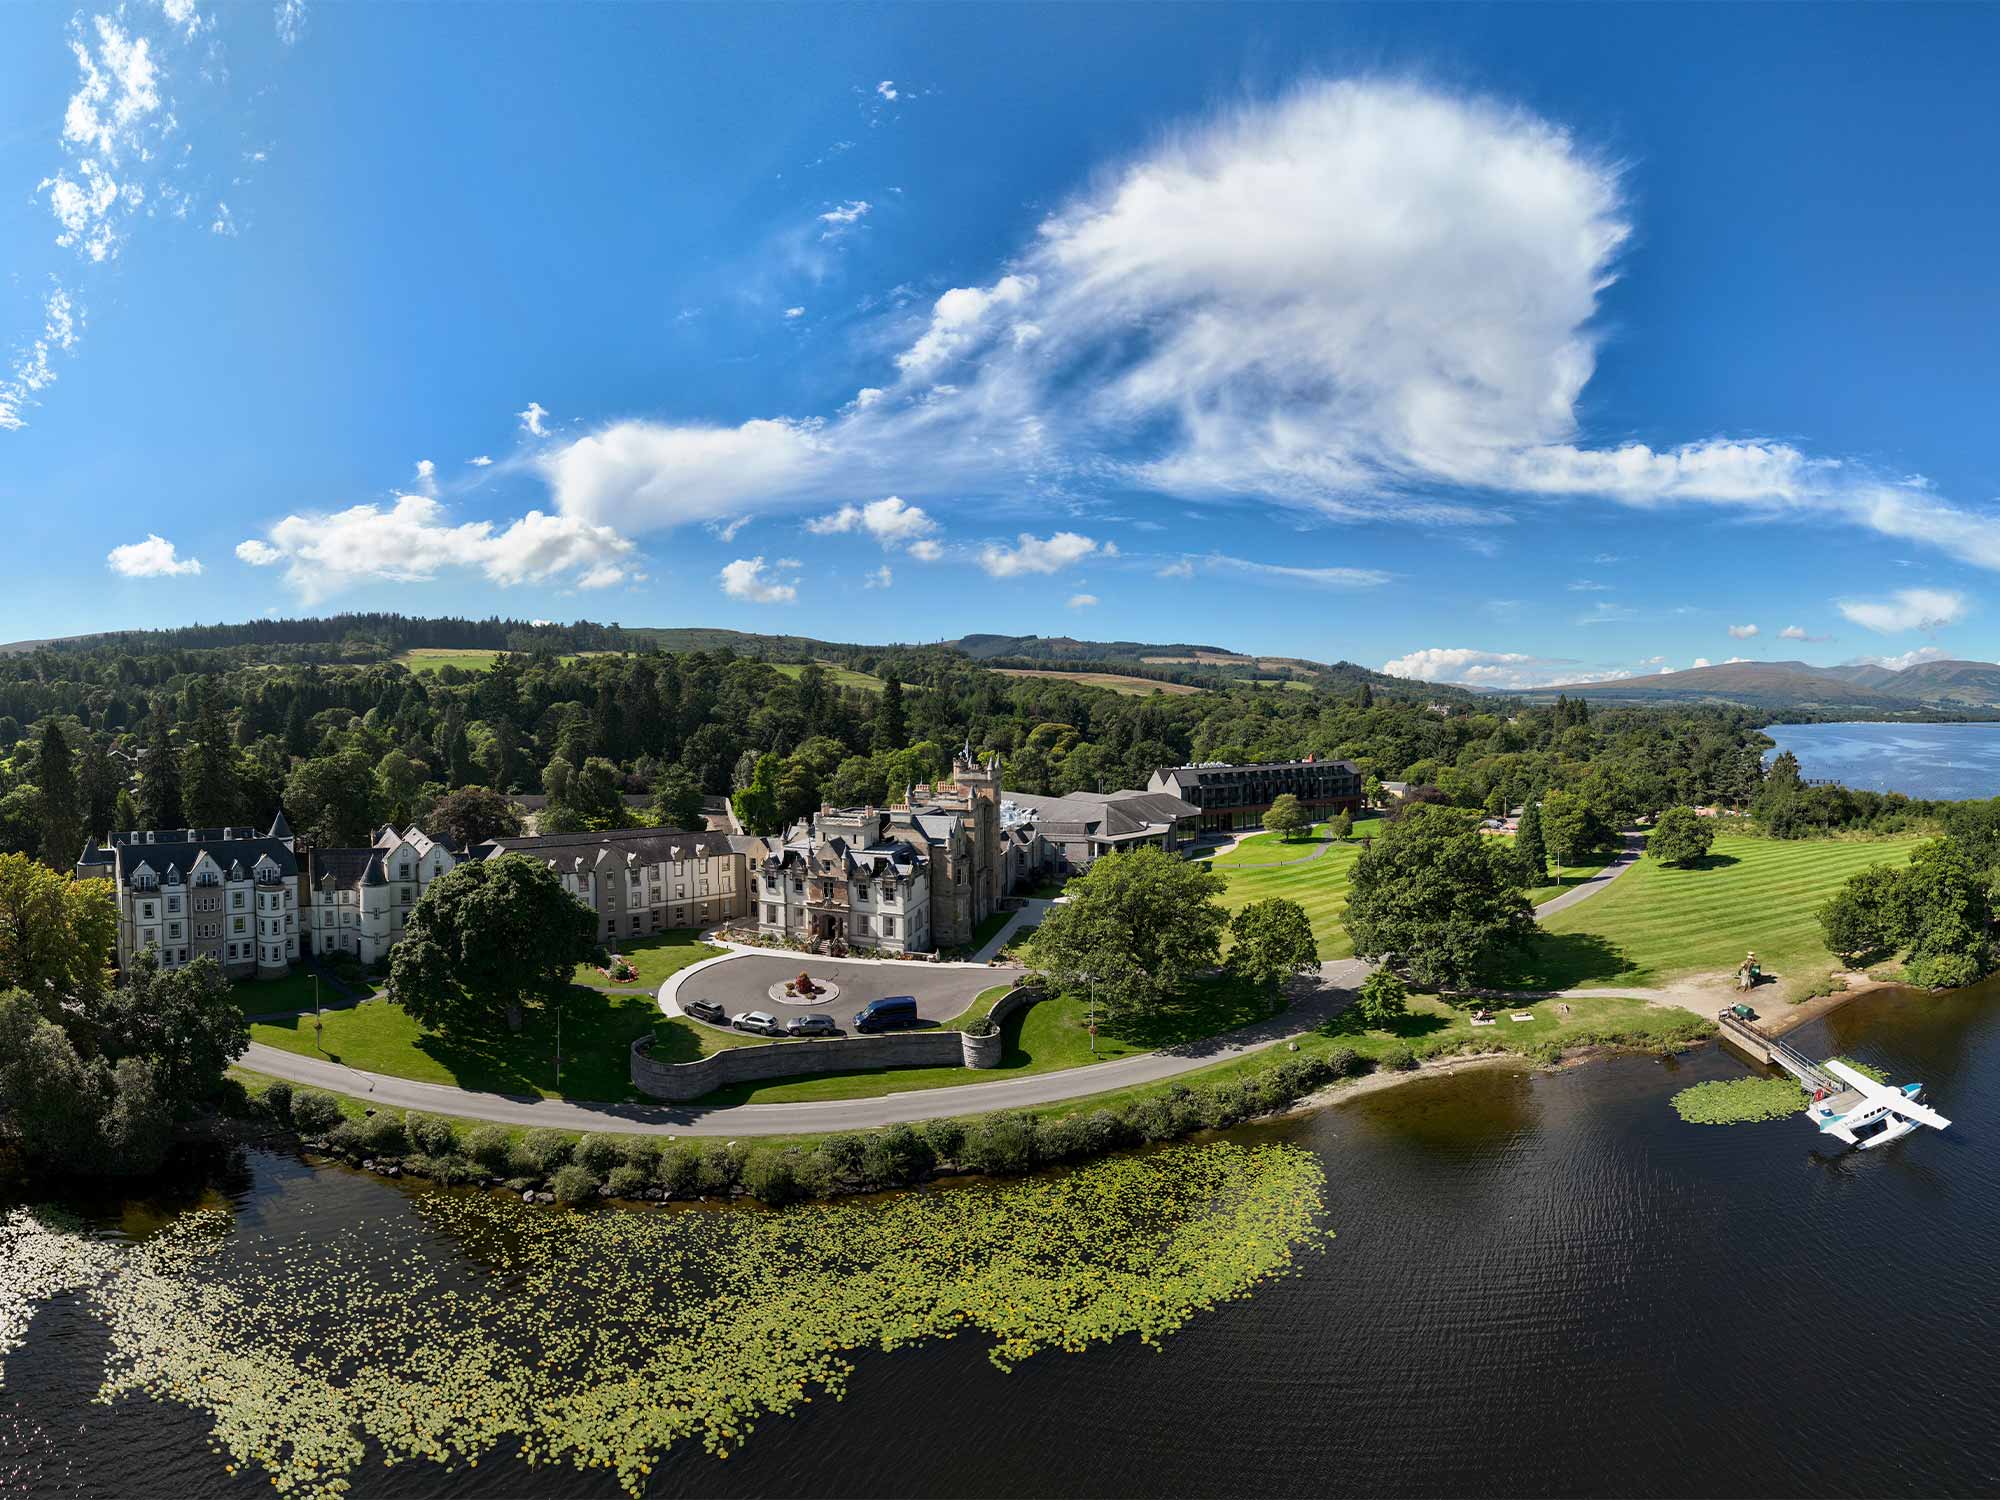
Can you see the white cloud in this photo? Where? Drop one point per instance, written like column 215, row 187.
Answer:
column 152, row 558
column 32, row 372
column 482, row 461
column 1181, row 569
column 1742, row 632
column 1602, row 613
column 534, row 420
column 1906, row 609
column 1906, row 660
column 927, row 551
column 412, row 541
column 426, row 476
column 1495, row 669
column 886, row 89
column 881, row 578
column 289, row 19
column 1794, row 633
column 1331, row 578
column 1702, row 661
column 1587, row 586
column 1033, row 554
column 639, row 476
column 746, row 579
column 892, row 521
column 725, row 531
column 958, row 320
column 794, row 312
column 839, row 220
column 1082, row 601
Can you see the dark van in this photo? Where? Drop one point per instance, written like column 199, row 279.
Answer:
column 887, row 1013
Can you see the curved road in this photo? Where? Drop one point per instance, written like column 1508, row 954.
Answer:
column 1312, row 1002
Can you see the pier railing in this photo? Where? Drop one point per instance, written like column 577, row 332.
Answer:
column 1760, row 1044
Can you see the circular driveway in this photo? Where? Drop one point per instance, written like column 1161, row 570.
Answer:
column 742, row 983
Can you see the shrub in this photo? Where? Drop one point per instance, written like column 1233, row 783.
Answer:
column 448, row 1168
column 573, row 1184
column 384, row 1135
column 1075, row 1136
column 811, row 1176
column 643, row 1152
column 546, row 1149
column 347, row 1138
column 679, row 1171
column 278, row 1100
column 1944, row 971
column 1001, row 1143
column 896, row 1154
column 521, row 1164
column 314, row 1111
column 489, row 1145
column 599, row 1153
column 628, row 1181
column 845, row 1154
column 430, row 1136
column 946, row 1138
column 1399, row 1058
column 1343, row 1062
column 722, row 1168
column 770, row 1176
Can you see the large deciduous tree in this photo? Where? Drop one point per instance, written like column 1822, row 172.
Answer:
column 470, row 816
column 677, row 799
column 1436, row 900
column 1139, row 925
column 333, row 800
column 184, row 1022
column 1571, row 828
column 1947, row 916
column 56, row 933
column 487, row 941
column 1865, row 915
column 1286, row 816
column 1272, row 941
column 1680, row 837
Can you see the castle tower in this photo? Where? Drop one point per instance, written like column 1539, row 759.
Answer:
column 982, row 827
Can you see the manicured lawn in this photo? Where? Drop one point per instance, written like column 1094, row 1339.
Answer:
column 597, row 1035
column 1048, row 890
column 1319, row 885
column 293, row 992
column 1573, row 875
column 1272, row 848
column 655, row 958
column 983, row 933
column 1046, row 1037
column 1655, row 923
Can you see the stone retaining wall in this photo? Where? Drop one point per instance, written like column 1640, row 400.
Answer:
column 678, row 1082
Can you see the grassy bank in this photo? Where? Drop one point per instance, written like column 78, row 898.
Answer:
column 1655, row 923
column 655, row 958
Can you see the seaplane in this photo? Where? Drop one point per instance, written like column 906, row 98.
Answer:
column 1866, row 1114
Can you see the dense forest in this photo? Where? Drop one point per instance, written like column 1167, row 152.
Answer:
column 317, row 717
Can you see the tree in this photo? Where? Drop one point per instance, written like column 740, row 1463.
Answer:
column 1680, row 837
column 62, row 799
column 1529, row 849
column 678, row 800
column 1866, row 915
column 332, row 800
column 1570, row 828
column 470, row 816
column 756, row 804
column 1286, row 816
column 1947, row 916
column 892, row 730
column 160, row 773
column 581, row 799
column 486, row 941
column 1436, row 900
column 1371, row 790
column 57, row 933
column 1138, row 925
column 399, row 785
column 1383, row 998
column 1342, row 826
column 185, row 1023
column 209, row 790
column 67, row 1114
column 1271, row 941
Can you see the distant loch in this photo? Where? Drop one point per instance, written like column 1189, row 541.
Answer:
column 1945, row 762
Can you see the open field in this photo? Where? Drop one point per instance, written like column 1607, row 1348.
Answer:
column 430, row 658
column 841, row 676
column 1118, row 682
column 261, row 997
column 597, row 1035
column 1655, row 924
column 1046, row 1037
column 654, row 957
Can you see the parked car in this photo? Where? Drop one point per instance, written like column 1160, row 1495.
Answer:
column 813, row 1025
column 887, row 1013
column 760, row 1021
column 707, row 1010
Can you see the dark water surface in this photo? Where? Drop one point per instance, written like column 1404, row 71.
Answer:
column 1946, row 762
column 1542, row 1284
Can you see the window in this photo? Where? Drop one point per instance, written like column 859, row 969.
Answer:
column 237, row 925
column 174, row 905
column 861, row 923
column 681, row 890
column 236, row 901
column 770, row 913
column 635, row 923
column 146, row 911
column 888, row 927
column 403, row 871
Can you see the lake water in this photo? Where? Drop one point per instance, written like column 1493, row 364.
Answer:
column 1947, row 762
column 1540, row 1284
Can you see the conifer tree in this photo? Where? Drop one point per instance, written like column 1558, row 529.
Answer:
column 62, row 799
column 160, row 775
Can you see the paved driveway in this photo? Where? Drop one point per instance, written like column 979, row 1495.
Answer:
column 740, row 984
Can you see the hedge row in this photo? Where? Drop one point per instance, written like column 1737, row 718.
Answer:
column 644, row 1167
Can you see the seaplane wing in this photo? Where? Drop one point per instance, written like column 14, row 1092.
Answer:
column 1886, row 1094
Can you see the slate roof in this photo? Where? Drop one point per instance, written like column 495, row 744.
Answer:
column 348, row 867
column 651, row 845
column 180, row 848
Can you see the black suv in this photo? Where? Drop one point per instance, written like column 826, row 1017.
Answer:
column 707, row 1010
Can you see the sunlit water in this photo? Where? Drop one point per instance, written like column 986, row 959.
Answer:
column 1946, row 762
column 1541, row 1284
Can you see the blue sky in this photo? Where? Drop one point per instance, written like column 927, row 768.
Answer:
column 1506, row 345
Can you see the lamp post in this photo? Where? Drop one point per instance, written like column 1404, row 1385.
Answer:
column 559, row 1011
column 319, row 1017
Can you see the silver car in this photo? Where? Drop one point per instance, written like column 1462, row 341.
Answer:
column 760, row 1021
column 814, row 1025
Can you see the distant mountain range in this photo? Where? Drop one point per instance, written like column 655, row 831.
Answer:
column 1941, row 686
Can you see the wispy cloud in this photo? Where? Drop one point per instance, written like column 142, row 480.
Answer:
column 1905, row 661
column 1083, row 601
column 1470, row 667
column 1602, row 613
column 1799, row 633
column 1742, row 632
column 1326, row 578
column 534, row 420
column 1906, row 609
column 836, row 222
